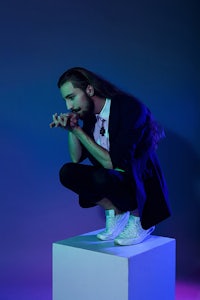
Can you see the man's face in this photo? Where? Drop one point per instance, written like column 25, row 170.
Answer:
column 77, row 100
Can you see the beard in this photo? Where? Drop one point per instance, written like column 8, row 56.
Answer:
column 88, row 112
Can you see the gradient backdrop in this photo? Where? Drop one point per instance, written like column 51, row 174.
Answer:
column 149, row 48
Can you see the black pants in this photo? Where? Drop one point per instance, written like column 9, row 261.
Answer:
column 95, row 183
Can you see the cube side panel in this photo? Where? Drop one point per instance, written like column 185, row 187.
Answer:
column 82, row 274
column 152, row 274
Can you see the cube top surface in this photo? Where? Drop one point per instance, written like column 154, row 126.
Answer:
column 89, row 241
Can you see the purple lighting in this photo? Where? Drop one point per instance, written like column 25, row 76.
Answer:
column 187, row 291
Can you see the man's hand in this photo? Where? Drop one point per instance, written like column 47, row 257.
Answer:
column 68, row 121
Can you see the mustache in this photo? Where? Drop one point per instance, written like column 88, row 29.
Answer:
column 75, row 110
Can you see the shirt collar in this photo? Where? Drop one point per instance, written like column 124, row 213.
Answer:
column 105, row 112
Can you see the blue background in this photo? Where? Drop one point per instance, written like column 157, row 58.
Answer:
column 148, row 48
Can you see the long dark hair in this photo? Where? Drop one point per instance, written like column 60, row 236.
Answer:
column 81, row 78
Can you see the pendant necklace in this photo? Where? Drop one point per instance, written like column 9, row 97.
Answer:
column 102, row 130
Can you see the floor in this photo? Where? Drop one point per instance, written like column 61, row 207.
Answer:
column 184, row 291
column 187, row 291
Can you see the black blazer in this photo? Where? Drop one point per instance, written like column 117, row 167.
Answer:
column 131, row 150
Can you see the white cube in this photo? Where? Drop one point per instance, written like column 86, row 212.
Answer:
column 85, row 268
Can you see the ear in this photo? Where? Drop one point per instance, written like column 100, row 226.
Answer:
column 90, row 90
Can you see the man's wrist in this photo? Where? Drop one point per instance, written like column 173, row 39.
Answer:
column 76, row 131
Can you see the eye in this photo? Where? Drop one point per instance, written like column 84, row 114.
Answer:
column 71, row 98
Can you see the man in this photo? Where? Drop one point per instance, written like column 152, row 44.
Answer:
column 119, row 137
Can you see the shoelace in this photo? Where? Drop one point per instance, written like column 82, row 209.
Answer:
column 109, row 223
column 128, row 228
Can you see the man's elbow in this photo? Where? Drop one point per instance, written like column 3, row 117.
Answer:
column 75, row 160
column 108, row 165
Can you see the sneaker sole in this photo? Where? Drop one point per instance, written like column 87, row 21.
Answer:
column 128, row 242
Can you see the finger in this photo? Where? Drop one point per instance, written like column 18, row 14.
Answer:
column 55, row 117
column 61, row 121
column 65, row 122
column 52, row 124
column 74, row 121
column 65, row 115
column 57, row 121
column 73, row 124
column 65, row 119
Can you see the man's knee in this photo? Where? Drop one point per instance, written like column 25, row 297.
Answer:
column 65, row 171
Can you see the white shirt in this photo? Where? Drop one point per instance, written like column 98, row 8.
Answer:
column 103, row 120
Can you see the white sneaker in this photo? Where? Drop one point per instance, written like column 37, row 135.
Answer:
column 133, row 233
column 114, row 225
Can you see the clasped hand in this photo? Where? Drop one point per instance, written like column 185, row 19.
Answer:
column 68, row 121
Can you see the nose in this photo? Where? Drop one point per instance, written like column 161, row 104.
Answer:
column 69, row 105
